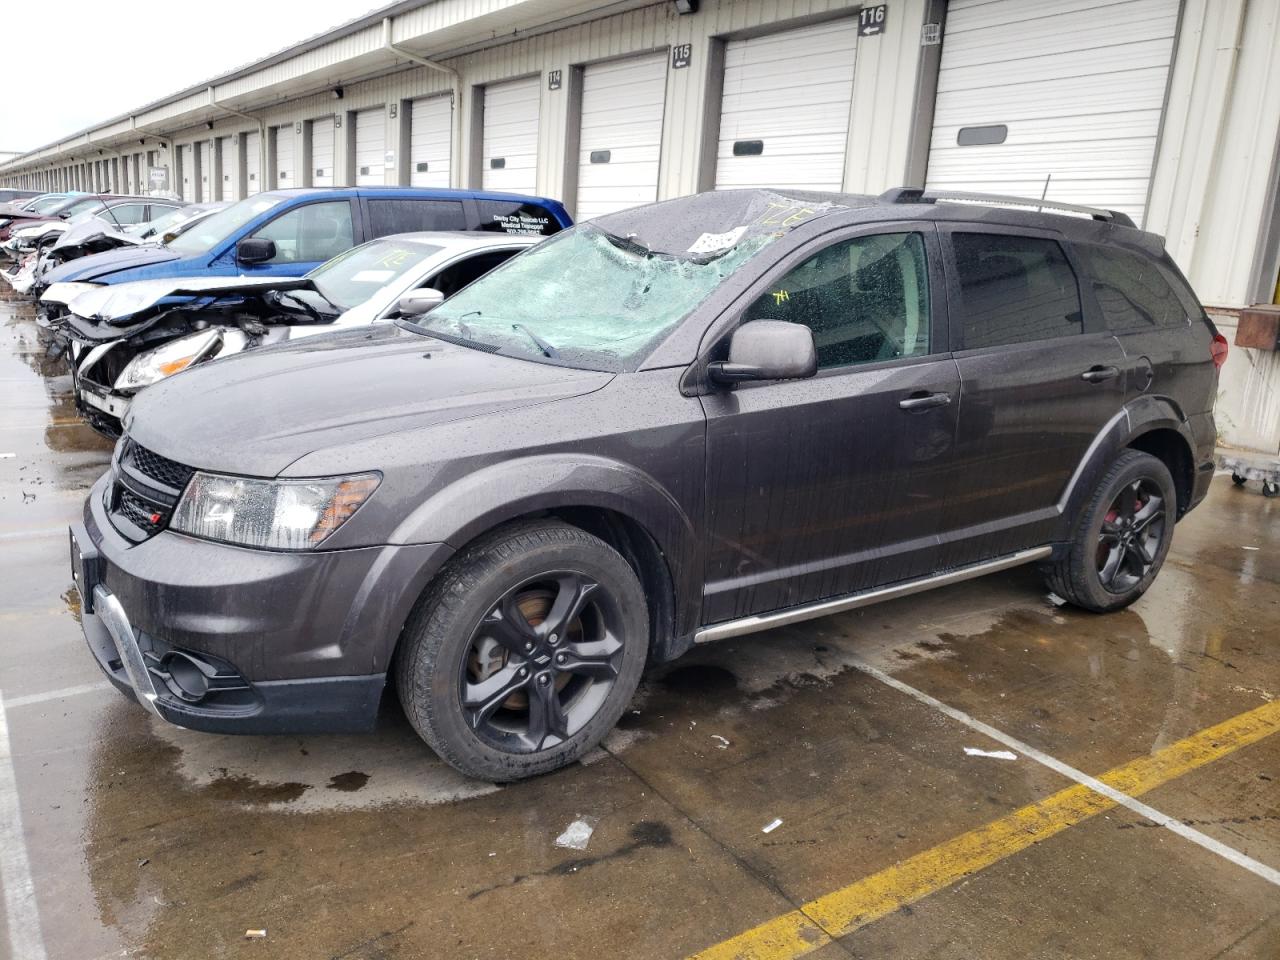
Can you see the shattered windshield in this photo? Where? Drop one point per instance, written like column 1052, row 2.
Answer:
column 351, row 278
column 587, row 298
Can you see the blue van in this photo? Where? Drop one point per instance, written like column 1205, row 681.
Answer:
column 286, row 233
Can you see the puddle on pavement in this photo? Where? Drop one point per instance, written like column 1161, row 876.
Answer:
column 391, row 766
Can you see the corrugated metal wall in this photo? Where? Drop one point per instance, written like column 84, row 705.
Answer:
column 1214, row 172
column 880, row 124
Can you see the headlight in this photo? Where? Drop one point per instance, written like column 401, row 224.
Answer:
column 270, row 514
column 174, row 357
column 66, row 292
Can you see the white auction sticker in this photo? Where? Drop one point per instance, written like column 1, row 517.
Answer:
column 711, row 242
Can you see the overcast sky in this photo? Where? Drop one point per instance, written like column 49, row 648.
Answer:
column 71, row 63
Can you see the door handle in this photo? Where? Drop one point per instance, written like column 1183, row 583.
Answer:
column 1099, row 373
column 924, row 401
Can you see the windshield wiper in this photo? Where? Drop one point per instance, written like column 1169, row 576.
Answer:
column 320, row 293
column 312, row 312
column 628, row 244
column 547, row 349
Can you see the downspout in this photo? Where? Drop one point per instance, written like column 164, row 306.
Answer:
column 455, row 135
column 262, row 140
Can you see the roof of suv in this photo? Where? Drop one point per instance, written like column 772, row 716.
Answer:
column 716, row 220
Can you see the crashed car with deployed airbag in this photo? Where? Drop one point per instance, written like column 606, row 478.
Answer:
column 130, row 336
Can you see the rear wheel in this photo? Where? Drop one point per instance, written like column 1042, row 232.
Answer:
column 525, row 652
column 1121, row 538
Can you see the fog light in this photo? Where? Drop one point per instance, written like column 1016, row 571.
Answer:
column 186, row 677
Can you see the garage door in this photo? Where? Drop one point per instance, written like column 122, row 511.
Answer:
column 227, row 168
column 1033, row 96
column 322, row 152
column 430, row 143
column 371, row 147
column 284, row 157
column 252, row 164
column 622, row 105
column 784, row 117
column 206, row 171
column 509, row 160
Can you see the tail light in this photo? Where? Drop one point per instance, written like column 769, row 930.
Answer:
column 1218, row 350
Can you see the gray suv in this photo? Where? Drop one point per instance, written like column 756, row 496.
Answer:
column 678, row 423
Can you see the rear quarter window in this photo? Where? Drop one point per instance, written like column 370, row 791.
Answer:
column 1014, row 290
column 406, row 215
column 524, row 219
column 1134, row 291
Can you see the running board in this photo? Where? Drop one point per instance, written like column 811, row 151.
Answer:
column 810, row 611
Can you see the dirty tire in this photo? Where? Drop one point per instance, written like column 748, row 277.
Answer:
column 1076, row 576
column 437, row 644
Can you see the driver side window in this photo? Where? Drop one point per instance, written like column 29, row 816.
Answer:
column 866, row 299
column 314, row 232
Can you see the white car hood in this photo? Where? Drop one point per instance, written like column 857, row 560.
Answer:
column 121, row 300
column 92, row 228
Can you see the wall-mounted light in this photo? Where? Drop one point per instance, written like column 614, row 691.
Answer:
column 208, row 124
column 686, row 6
column 337, row 93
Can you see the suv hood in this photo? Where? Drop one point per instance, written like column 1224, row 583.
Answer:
column 256, row 413
column 100, row 265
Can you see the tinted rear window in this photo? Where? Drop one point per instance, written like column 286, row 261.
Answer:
column 1132, row 290
column 503, row 216
column 410, row 216
column 1014, row 290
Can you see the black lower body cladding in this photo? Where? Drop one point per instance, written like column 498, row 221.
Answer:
column 246, row 641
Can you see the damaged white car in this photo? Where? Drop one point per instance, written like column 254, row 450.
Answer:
column 126, row 337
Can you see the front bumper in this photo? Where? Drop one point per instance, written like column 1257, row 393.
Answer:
column 230, row 640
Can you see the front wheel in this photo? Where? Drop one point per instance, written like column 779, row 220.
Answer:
column 525, row 652
column 1121, row 537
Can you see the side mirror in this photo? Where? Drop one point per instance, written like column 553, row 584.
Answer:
column 255, row 250
column 767, row 350
column 417, row 302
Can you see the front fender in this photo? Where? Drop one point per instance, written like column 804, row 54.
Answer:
column 505, row 491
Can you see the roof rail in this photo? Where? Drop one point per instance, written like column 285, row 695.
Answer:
column 917, row 195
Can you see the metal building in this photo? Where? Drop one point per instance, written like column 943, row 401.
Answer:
column 1168, row 110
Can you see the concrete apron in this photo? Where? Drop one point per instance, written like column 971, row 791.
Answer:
column 169, row 844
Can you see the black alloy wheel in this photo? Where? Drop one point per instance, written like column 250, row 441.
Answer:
column 1119, row 537
column 1131, row 536
column 525, row 650
column 541, row 662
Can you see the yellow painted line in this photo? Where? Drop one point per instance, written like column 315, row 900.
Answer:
column 843, row 911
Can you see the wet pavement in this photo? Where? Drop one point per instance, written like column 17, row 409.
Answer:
column 145, row 840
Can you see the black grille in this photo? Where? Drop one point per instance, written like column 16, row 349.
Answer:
column 138, row 512
column 146, row 490
column 157, row 468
